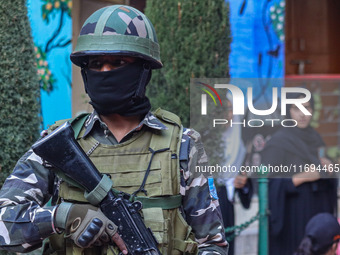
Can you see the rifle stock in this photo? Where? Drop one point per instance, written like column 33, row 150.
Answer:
column 61, row 150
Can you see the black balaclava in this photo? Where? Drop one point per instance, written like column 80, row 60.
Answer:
column 120, row 91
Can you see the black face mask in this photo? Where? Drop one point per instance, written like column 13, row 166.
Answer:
column 121, row 90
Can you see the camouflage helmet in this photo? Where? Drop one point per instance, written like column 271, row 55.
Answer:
column 117, row 30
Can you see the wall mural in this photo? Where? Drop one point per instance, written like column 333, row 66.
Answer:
column 257, row 49
column 52, row 31
column 257, row 52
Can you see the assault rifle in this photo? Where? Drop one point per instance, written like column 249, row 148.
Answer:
column 61, row 150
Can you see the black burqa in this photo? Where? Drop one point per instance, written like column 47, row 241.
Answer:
column 291, row 207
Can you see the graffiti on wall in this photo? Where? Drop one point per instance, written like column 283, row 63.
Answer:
column 257, row 51
column 51, row 28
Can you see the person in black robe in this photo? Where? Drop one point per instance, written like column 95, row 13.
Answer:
column 296, row 198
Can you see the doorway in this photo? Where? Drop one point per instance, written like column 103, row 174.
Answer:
column 312, row 59
column 312, row 37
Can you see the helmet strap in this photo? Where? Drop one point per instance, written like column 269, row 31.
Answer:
column 143, row 81
column 84, row 75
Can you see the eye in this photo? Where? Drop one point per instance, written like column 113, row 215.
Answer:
column 119, row 62
column 110, row 63
column 95, row 64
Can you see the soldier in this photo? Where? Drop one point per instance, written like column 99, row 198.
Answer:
column 116, row 50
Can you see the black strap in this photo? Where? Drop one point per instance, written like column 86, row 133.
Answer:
column 143, row 81
column 141, row 188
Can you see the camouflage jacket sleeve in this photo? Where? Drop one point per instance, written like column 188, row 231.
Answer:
column 24, row 221
column 200, row 202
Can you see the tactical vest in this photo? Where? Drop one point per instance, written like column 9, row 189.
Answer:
column 126, row 164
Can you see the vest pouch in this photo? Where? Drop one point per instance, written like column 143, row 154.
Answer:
column 163, row 222
column 184, row 241
column 71, row 194
column 154, row 219
column 72, row 249
column 57, row 245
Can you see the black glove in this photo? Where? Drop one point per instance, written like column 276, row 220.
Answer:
column 85, row 224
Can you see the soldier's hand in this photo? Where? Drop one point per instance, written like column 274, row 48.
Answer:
column 87, row 226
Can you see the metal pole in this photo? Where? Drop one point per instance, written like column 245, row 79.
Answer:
column 263, row 209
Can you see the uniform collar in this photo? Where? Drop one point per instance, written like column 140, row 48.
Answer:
column 149, row 120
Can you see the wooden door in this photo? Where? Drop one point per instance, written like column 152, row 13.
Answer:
column 312, row 37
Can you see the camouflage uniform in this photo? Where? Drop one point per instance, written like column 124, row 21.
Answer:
column 25, row 220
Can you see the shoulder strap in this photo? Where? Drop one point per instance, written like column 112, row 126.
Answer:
column 77, row 123
column 163, row 139
column 167, row 116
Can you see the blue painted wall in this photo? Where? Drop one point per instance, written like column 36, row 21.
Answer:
column 52, row 30
column 257, row 49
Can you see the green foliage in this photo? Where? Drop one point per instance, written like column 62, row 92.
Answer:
column 334, row 154
column 194, row 38
column 19, row 87
column 46, row 78
column 315, row 123
column 51, row 7
column 277, row 15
